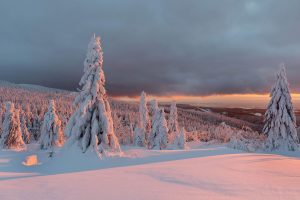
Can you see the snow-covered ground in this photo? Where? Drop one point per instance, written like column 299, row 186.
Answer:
column 202, row 172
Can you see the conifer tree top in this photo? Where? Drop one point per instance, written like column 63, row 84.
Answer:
column 93, row 79
column 143, row 94
column 94, row 57
column 280, row 95
column 51, row 105
column 281, row 84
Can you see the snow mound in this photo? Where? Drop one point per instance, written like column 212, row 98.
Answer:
column 247, row 140
column 242, row 143
column 31, row 160
column 258, row 114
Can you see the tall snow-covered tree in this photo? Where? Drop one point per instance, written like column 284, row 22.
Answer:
column 51, row 133
column 12, row 135
column 280, row 121
column 143, row 130
column 91, row 125
column 159, row 131
column 154, row 110
column 173, row 125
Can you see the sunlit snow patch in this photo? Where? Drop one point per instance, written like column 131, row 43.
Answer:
column 31, row 160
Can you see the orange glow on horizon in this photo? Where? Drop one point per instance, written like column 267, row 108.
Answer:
column 218, row 100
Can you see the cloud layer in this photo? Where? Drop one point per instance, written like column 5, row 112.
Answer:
column 163, row 47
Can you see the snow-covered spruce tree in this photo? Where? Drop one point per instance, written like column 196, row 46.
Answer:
column 28, row 116
column 34, row 127
column 51, row 133
column 180, row 140
column 24, row 129
column 12, row 135
column 139, row 136
column 154, row 121
column 143, row 130
column 280, row 121
column 131, row 134
column 160, row 141
column 2, row 111
column 159, row 131
column 173, row 123
column 91, row 125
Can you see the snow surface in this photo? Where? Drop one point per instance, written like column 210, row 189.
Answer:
column 201, row 172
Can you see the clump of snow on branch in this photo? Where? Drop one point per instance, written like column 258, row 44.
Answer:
column 91, row 125
column 280, row 120
column 51, row 133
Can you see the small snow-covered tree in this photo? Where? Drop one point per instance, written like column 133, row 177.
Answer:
column 91, row 125
column 139, row 136
column 180, row 140
column 280, row 120
column 51, row 133
column 158, row 136
column 222, row 133
column 173, row 125
column 34, row 127
column 24, row 129
column 2, row 111
column 12, row 135
column 28, row 115
column 131, row 133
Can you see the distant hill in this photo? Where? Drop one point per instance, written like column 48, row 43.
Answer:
column 32, row 87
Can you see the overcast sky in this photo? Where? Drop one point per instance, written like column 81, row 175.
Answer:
column 198, row 47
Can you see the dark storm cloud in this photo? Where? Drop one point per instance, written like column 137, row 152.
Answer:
column 162, row 47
